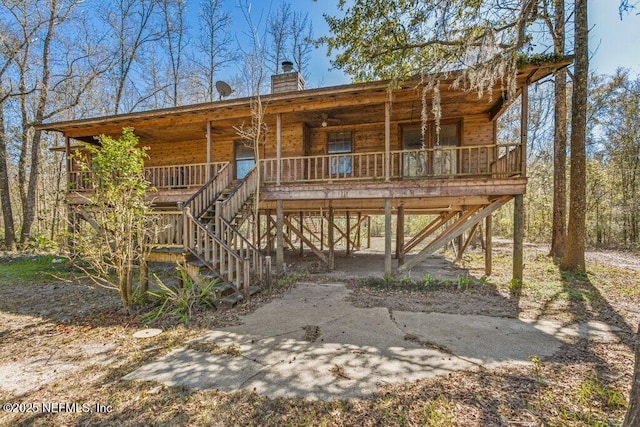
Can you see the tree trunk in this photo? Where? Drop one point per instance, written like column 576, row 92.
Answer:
column 633, row 412
column 573, row 257
column 29, row 203
column 29, row 199
column 558, row 231
column 5, row 195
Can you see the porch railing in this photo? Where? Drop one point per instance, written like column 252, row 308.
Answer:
column 160, row 177
column 203, row 199
column 177, row 176
column 167, row 229
column 438, row 162
column 230, row 206
column 347, row 166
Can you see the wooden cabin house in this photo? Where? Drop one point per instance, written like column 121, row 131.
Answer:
column 337, row 152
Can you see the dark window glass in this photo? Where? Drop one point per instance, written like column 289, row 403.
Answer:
column 338, row 143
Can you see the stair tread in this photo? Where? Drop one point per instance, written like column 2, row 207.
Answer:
column 197, row 263
column 232, row 299
column 224, row 287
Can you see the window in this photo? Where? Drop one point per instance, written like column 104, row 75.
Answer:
column 337, row 143
column 444, row 158
column 245, row 159
column 413, row 161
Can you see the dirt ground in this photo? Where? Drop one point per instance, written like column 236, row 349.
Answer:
column 64, row 342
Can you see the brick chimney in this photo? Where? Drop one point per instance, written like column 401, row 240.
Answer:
column 288, row 81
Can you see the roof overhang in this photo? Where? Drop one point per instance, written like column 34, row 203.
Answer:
column 181, row 123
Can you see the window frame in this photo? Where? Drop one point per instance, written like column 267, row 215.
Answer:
column 340, row 165
column 237, row 144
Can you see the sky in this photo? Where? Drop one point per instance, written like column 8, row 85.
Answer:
column 613, row 42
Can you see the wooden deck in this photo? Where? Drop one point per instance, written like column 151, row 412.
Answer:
column 420, row 179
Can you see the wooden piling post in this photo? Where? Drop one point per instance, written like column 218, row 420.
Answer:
column 387, row 237
column 269, row 237
column 518, row 236
column 322, row 232
column 301, row 232
column 247, row 277
column 358, row 242
column 348, row 251
column 400, row 235
column 330, row 242
column 279, row 237
column 267, row 260
column 487, row 246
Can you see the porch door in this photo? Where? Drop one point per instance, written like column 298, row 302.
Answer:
column 413, row 160
column 445, row 158
column 245, row 159
column 340, row 143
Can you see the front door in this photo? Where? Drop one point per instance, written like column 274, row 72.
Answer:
column 245, row 159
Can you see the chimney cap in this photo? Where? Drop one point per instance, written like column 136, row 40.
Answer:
column 287, row 66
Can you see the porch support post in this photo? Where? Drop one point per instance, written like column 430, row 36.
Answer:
column 72, row 228
column 348, row 251
column 67, row 154
column 322, row 232
column 387, row 141
column 268, row 223
column 330, row 242
column 524, row 125
column 278, row 148
column 400, row 235
column 487, row 246
column 387, row 237
column 359, row 229
column 301, row 233
column 458, row 245
column 518, row 236
column 258, row 241
column 369, row 232
column 518, row 201
column 279, row 237
column 208, row 172
column 72, row 218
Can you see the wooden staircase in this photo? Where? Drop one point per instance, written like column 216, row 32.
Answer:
column 212, row 217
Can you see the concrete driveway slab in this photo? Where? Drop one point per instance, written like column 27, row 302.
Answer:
column 313, row 343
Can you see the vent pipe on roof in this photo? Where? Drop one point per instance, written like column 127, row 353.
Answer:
column 287, row 66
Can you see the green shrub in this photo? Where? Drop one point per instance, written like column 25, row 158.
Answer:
column 181, row 300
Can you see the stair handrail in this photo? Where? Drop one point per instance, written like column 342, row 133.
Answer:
column 206, row 195
column 231, row 205
column 215, row 253
column 243, row 246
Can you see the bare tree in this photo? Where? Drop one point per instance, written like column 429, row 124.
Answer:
column 132, row 26
column 301, row 42
column 290, row 37
column 10, row 45
column 253, row 55
column 5, row 195
column 254, row 133
column 173, row 14
column 279, row 31
column 214, row 43
column 39, row 77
